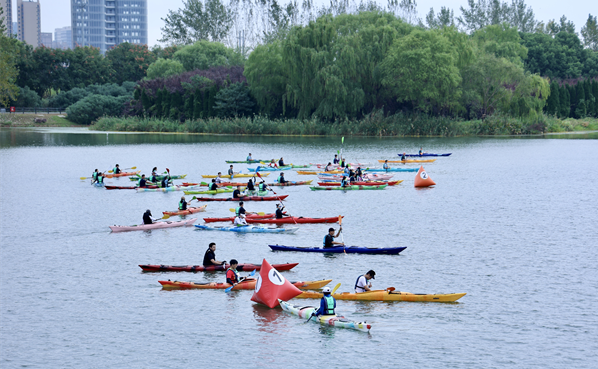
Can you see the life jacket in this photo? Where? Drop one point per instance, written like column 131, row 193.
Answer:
column 250, row 186
column 357, row 281
column 100, row 179
column 237, row 210
column 329, row 305
column 403, row 158
column 116, row 170
column 95, row 176
column 385, row 166
column 182, row 205
column 343, row 183
column 280, row 179
column 262, row 187
column 236, row 274
column 153, row 178
column 213, row 186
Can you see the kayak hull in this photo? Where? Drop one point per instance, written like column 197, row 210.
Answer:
column 246, row 198
column 248, row 229
column 209, row 192
column 122, row 174
column 426, row 154
column 165, row 189
column 380, row 170
column 347, row 188
column 247, row 216
column 125, row 187
column 385, row 295
column 157, row 225
column 293, row 220
column 407, row 161
column 160, row 177
column 289, row 183
column 246, row 161
column 212, row 268
column 305, row 312
column 192, row 210
column 372, row 183
column 248, row 284
column 342, row 249
column 235, row 175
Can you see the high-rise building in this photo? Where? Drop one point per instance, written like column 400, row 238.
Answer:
column 107, row 23
column 15, row 29
column 7, row 21
column 47, row 39
column 29, row 21
column 63, row 38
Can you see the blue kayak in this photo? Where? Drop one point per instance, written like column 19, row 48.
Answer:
column 270, row 169
column 426, row 154
column 376, row 170
column 342, row 249
column 249, row 229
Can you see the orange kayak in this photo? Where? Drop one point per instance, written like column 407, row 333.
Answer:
column 122, row 174
column 387, row 295
column 247, row 284
column 186, row 212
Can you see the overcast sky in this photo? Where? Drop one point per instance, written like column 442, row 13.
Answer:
column 56, row 13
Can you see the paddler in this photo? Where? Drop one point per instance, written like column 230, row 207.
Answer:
column 342, row 163
column 183, row 204
column 213, row 185
column 351, row 176
column 281, row 162
column 420, row 151
column 281, row 179
column 249, row 158
column 165, row 181
column 147, row 217
column 327, row 303
column 363, row 283
column 328, row 167
column 250, row 187
column 335, row 161
column 232, row 276
column 116, row 170
column 272, row 164
column 263, row 186
column 358, row 174
column 231, row 172
column 237, row 193
column 240, row 209
column 142, row 181
column 240, row 221
column 385, row 166
column 279, row 213
column 329, row 238
column 344, row 182
column 154, row 176
column 100, row 178
column 209, row 258
column 94, row 176
column 218, row 178
column 403, row 157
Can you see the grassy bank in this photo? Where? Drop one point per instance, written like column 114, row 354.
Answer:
column 372, row 125
column 27, row 120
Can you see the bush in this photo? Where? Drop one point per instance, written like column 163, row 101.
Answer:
column 162, row 68
column 234, row 101
column 67, row 98
column 27, row 98
column 95, row 106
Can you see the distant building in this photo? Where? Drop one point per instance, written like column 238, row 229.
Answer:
column 15, row 29
column 7, row 22
column 29, row 21
column 63, row 38
column 107, row 23
column 47, row 39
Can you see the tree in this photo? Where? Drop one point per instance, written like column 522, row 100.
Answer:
column 522, row 17
column 234, row 101
column 87, row 66
column 130, row 62
column 502, row 41
column 9, row 52
column 492, row 12
column 209, row 20
column 205, row 54
column 421, row 68
column 266, row 75
column 163, row 68
column 27, row 98
column 445, row 18
column 93, row 107
column 553, row 102
column 589, row 32
column 565, row 102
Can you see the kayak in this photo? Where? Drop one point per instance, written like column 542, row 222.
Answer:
column 235, row 176
column 355, row 165
column 373, row 170
column 247, row 161
column 408, row 161
column 381, row 187
column 247, row 284
column 234, row 184
column 211, row 268
column 248, row 229
column 122, row 174
column 97, row 184
column 159, row 177
column 365, row 176
column 209, row 192
column 125, row 187
column 313, row 173
column 342, row 249
column 166, row 189
column 247, row 216
column 426, row 154
column 157, row 225
column 270, row 169
column 387, row 295
column 305, row 312
column 372, row 183
column 246, row 198
column 186, row 212
column 293, row 220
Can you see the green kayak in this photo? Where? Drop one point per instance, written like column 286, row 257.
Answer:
column 159, row 177
column 316, row 188
column 247, row 161
column 209, row 192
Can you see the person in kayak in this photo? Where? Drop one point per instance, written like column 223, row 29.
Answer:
column 116, row 170
column 100, row 178
column 147, row 217
column 344, row 182
column 240, row 221
column 142, row 181
column 351, row 176
column 213, row 185
column 209, row 258
column 363, row 283
column 232, row 276
column 154, row 175
column 231, row 172
column 281, row 179
column 218, row 178
column 94, row 176
column 263, row 186
column 335, row 161
column 279, row 213
column 240, row 209
column 420, row 151
column 342, row 163
column 329, row 238
column 249, row 158
column 328, row 167
column 403, row 157
column 272, row 164
column 281, row 162
column 183, row 204
column 385, row 166
column 165, row 181
column 237, row 193
column 250, row 187
column 358, row 174
column 327, row 303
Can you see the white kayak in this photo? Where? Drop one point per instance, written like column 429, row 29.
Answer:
column 306, row 312
column 156, row 225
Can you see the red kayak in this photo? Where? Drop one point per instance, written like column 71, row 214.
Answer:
column 213, row 268
column 247, row 216
column 125, row 187
column 293, row 220
column 243, row 184
column 245, row 198
column 372, row 183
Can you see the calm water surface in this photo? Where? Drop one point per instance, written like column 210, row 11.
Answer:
column 512, row 222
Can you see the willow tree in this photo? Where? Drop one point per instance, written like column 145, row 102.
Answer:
column 332, row 65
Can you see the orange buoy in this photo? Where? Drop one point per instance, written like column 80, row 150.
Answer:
column 271, row 286
column 422, row 179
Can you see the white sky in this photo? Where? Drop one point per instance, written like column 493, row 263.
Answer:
column 56, row 13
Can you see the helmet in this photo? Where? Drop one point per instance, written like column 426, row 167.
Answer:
column 326, row 290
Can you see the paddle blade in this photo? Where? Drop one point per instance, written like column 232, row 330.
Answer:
column 133, row 167
column 335, row 288
column 252, row 273
column 228, row 289
column 390, row 289
column 166, row 216
column 82, row 178
column 343, row 140
column 261, row 213
column 340, row 220
column 232, row 210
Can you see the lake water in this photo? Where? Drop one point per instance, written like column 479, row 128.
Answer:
column 512, row 221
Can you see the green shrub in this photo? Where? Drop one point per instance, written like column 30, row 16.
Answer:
column 94, row 106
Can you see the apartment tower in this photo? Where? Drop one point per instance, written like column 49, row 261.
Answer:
column 107, row 23
column 29, row 22
column 63, row 38
column 7, row 21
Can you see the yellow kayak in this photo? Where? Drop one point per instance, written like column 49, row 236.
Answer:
column 387, row 295
column 236, row 175
column 408, row 161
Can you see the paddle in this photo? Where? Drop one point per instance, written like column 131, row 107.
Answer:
column 332, row 293
column 279, row 200
column 260, row 213
column 111, row 171
column 390, row 289
column 340, row 223
column 231, row 287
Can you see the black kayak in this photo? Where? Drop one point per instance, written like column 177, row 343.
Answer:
column 342, row 249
